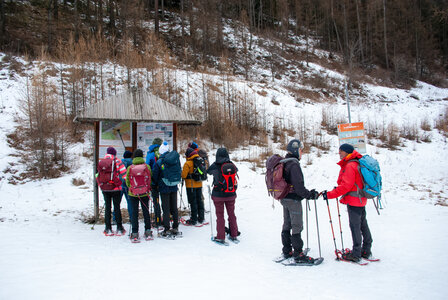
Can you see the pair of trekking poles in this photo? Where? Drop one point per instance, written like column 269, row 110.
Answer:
column 337, row 252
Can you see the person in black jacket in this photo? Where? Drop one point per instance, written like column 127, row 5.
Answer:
column 224, row 194
column 292, row 204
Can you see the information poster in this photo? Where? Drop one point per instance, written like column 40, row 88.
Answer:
column 353, row 134
column 147, row 132
column 115, row 134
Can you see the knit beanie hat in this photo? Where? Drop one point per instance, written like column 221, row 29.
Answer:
column 193, row 145
column 127, row 154
column 111, row 150
column 138, row 153
column 164, row 148
column 347, row 148
column 157, row 141
column 190, row 152
column 293, row 147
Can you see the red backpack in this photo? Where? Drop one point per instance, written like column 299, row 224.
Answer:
column 275, row 182
column 228, row 182
column 140, row 179
column 108, row 178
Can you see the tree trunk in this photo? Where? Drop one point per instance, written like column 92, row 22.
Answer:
column 2, row 21
column 49, row 26
column 156, row 17
column 359, row 32
column 385, row 34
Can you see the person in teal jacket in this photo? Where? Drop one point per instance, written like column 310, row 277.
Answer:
column 135, row 200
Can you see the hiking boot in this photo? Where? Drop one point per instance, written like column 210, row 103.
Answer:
column 234, row 239
column 108, row 232
column 174, row 231
column 350, row 257
column 166, row 232
column 219, row 240
column 302, row 258
column 191, row 222
column 121, row 230
column 148, row 233
column 366, row 255
column 227, row 230
column 287, row 255
column 134, row 236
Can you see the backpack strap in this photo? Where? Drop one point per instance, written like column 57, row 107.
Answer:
column 358, row 190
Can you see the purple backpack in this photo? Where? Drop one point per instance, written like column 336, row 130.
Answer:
column 275, row 183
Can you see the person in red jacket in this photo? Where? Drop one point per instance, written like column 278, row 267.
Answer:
column 349, row 181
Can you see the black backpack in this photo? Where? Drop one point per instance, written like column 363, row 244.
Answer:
column 199, row 169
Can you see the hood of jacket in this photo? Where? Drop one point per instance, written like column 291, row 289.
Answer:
column 193, row 156
column 354, row 155
column 138, row 161
column 152, row 148
column 222, row 156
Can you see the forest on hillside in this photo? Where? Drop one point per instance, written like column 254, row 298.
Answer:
column 72, row 53
column 409, row 37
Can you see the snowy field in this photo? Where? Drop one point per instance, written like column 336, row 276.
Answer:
column 47, row 252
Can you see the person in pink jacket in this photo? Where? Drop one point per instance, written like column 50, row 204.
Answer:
column 349, row 181
column 112, row 192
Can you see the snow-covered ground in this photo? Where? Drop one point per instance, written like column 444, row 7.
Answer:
column 47, row 252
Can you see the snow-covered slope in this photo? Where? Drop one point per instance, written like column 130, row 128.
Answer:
column 47, row 252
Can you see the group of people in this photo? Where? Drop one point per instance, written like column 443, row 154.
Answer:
column 224, row 195
column 349, row 182
column 160, row 178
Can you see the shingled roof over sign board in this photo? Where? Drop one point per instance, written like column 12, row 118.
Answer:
column 136, row 106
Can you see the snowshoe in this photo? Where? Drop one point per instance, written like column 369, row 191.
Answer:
column 120, row 231
column 369, row 257
column 200, row 224
column 348, row 256
column 148, row 235
column 166, row 234
column 234, row 240
column 135, row 238
column 282, row 257
column 108, row 232
column 219, row 241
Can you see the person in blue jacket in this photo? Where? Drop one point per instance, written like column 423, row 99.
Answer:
column 127, row 161
column 151, row 158
column 168, row 194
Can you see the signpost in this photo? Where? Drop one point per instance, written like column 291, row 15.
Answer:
column 353, row 134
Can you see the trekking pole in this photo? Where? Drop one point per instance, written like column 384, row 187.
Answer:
column 144, row 206
column 331, row 223
column 210, row 207
column 307, row 207
column 317, row 225
column 121, row 138
column 340, row 225
column 96, row 220
column 376, row 206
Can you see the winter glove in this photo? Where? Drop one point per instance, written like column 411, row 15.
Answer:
column 313, row 195
column 324, row 194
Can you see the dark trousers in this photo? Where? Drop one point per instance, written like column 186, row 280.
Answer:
column 169, row 206
column 292, row 226
column 194, row 196
column 362, row 239
column 156, row 204
column 110, row 197
column 125, row 191
column 144, row 201
column 229, row 204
